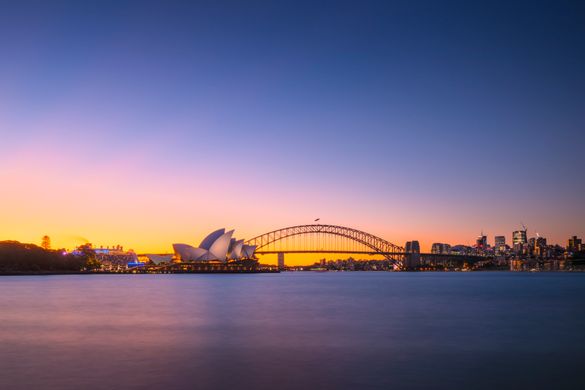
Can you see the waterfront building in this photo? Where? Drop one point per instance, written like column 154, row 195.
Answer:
column 114, row 258
column 517, row 265
column 217, row 246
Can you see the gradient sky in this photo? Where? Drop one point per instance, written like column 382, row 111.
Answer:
column 147, row 123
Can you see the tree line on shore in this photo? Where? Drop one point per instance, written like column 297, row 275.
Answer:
column 16, row 257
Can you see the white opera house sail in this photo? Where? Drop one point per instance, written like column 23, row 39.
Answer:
column 217, row 246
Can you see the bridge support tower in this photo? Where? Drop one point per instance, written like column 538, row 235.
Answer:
column 412, row 255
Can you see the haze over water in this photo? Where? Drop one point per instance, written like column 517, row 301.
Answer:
column 293, row 331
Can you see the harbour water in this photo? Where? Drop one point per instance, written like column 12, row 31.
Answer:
column 304, row 330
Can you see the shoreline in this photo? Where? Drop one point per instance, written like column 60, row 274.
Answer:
column 50, row 273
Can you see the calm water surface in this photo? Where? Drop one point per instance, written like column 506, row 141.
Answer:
column 294, row 331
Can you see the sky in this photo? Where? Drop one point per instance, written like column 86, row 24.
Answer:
column 147, row 123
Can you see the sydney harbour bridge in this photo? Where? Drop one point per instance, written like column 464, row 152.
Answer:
column 317, row 238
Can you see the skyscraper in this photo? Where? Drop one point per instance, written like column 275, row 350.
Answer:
column 574, row 244
column 540, row 248
column 500, row 243
column 439, row 248
column 519, row 241
column 519, row 237
column 481, row 242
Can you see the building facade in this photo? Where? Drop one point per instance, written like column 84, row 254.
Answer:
column 439, row 248
column 500, row 243
column 519, row 237
column 574, row 244
column 217, row 246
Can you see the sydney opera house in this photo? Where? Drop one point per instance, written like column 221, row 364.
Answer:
column 217, row 246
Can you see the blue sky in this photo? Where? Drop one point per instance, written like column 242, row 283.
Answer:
column 406, row 118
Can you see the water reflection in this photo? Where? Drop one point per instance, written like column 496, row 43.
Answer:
column 302, row 330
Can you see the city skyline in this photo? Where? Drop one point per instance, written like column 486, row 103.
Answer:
column 482, row 243
column 142, row 125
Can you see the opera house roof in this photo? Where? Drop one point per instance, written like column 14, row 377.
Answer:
column 218, row 245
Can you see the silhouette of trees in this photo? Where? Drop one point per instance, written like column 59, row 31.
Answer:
column 16, row 257
column 87, row 252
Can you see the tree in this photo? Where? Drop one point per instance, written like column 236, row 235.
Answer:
column 46, row 243
column 89, row 258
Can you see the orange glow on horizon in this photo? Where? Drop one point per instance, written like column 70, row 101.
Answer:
column 141, row 204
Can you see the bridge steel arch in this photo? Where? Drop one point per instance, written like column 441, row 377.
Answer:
column 377, row 245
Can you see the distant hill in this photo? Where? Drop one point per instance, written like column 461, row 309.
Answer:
column 16, row 257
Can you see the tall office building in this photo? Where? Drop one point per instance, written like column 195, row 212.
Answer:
column 481, row 242
column 438, row 248
column 540, row 248
column 500, row 243
column 574, row 244
column 519, row 237
column 520, row 241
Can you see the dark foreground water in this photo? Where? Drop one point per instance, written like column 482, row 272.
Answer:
column 294, row 331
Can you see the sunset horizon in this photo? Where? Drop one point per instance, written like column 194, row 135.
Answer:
column 292, row 195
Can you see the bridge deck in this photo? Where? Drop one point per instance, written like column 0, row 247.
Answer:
column 261, row 252
column 371, row 253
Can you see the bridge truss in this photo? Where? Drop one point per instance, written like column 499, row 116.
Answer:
column 325, row 239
